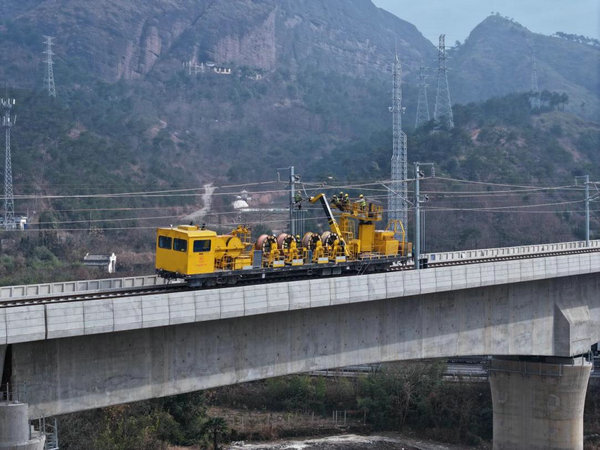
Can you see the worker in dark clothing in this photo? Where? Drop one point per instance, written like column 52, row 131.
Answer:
column 346, row 203
column 335, row 201
column 298, row 200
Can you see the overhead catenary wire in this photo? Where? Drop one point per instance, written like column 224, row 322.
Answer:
column 280, row 221
column 372, row 187
column 199, row 191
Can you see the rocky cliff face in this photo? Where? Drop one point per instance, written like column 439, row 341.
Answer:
column 127, row 39
column 256, row 48
column 110, row 39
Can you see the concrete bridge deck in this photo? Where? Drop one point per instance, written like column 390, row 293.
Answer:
column 77, row 318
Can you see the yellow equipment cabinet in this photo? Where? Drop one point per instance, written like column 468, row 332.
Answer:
column 385, row 243
column 185, row 250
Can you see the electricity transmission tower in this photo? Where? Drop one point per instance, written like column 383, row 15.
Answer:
column 49, row 77
column 442, row 113
column 423, row 103
column 397, row 197
column 535, row 89
column 9, row 203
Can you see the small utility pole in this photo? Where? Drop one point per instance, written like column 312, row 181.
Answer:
column 292, row 196
column 586, row 181
column 292, row 201
column 418, row 200
column 587, row 210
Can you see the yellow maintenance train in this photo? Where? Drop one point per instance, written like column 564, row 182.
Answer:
column 352, row 246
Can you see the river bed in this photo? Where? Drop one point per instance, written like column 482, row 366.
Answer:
column 349, row 442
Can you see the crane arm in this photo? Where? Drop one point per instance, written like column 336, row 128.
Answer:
column 330, row 218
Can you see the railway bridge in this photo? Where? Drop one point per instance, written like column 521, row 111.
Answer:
column 73, row 346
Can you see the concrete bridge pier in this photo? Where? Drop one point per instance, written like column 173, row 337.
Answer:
column 15, row 431
column 538, row 402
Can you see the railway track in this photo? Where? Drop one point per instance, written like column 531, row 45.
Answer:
column 96, row 295
column 182, row 286
column 511, row 257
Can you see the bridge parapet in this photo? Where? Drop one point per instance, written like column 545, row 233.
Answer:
column 65, row 287
column 520, row 250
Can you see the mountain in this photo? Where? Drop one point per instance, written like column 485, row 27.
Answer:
column 180, row 92
column 123, row 40
column 496, row 59
column 304, row 74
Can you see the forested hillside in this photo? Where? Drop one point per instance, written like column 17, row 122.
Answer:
column 497, row 145
column 496, row 59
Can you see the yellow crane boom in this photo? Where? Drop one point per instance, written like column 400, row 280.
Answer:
column 331, row 219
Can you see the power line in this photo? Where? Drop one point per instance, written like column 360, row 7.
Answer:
column 493, row 208
column 488, row 183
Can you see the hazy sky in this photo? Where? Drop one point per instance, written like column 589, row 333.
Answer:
column 456, row 18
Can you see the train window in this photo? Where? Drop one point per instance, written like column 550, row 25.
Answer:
column 179, row 245
column 202, row 246
column 164, row 242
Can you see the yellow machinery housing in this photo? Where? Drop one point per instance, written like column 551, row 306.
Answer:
column 187, row 249
column 365, row 241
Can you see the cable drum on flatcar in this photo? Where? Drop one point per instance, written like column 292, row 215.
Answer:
column 285, row 241
column 310, row 240
column 271, row 256
column 328, row 238
column 266, row 243
column 228, row 250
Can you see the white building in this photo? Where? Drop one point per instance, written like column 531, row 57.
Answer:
column 105, row 262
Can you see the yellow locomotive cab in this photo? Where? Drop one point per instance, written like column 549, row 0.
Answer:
column 185, row 250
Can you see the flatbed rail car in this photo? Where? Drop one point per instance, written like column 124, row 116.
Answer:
column 253, row 275
column 354, row 246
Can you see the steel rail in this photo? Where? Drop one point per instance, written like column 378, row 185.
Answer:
column 513, row 257
column 95, row 295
